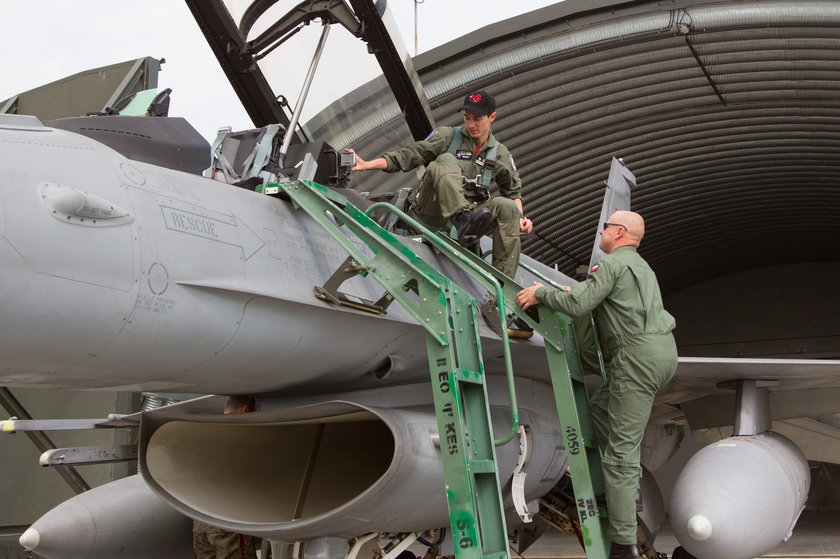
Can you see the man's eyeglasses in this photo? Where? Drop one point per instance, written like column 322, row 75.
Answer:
column 607, row 224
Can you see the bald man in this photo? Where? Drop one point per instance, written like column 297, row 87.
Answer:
column 640, row 354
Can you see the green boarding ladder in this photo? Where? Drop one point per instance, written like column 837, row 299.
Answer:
column 474, row 531
column 570, row 393
column 448, row 313
column 567, row 376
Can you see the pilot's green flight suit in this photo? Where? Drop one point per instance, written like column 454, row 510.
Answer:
column 443, row 193
column 641, row 356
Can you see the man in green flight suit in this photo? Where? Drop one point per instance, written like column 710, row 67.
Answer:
column 641, row 357
column 461, row 165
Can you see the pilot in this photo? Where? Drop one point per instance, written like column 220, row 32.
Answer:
column 210, row 542
column 462, row 164
column 641, row 357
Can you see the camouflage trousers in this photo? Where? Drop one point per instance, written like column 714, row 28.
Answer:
column 442, row 194
column 210, row 542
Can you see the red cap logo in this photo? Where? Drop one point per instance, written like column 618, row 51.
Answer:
column 475, row 98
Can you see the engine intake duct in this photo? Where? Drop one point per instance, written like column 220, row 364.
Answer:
column 335, row 468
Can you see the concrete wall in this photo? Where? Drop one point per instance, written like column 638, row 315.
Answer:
column 779, row 311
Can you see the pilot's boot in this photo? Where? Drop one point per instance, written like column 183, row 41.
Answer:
column 625, row 551
column 471, row 225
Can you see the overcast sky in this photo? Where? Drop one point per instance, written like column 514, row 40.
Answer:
column 46, row 40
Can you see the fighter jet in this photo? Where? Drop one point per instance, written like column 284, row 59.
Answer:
column 144, row 277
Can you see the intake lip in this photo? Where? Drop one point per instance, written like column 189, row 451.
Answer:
column 337, row 468
column 308, row 470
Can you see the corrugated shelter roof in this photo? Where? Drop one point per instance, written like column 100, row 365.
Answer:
column 728, row 113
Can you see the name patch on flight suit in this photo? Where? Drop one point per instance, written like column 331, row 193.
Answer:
column 463, row 154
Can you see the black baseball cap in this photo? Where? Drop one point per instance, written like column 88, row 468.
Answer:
column 479, row 103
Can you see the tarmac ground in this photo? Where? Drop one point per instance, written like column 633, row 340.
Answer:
column 817, row 534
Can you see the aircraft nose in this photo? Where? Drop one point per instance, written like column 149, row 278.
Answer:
column 67, row 251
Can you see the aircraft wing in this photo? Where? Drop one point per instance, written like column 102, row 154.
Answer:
column 802, row 393
column 725, row 368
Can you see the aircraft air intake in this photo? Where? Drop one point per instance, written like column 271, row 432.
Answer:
column 273, row 472
column 335, row 468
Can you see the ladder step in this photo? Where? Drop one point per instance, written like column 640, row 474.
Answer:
column 463, row 375
column 572, row 400
column 577, row 377
column 578, row 383
column 482, row 466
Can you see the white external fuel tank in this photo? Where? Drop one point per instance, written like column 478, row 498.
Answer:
column 740, row 497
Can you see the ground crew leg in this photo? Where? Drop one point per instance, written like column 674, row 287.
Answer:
column 235, row 546
column 506, row 242
column 203, row 546
column 441, row 192
column 627, row 415
column 210, row 542
column 635, row 375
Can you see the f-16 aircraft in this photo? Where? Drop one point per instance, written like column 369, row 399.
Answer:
column 144, row 275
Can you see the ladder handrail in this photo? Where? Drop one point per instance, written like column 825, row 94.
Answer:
column 602, row 369
column 488, row 279
column 407, row 256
